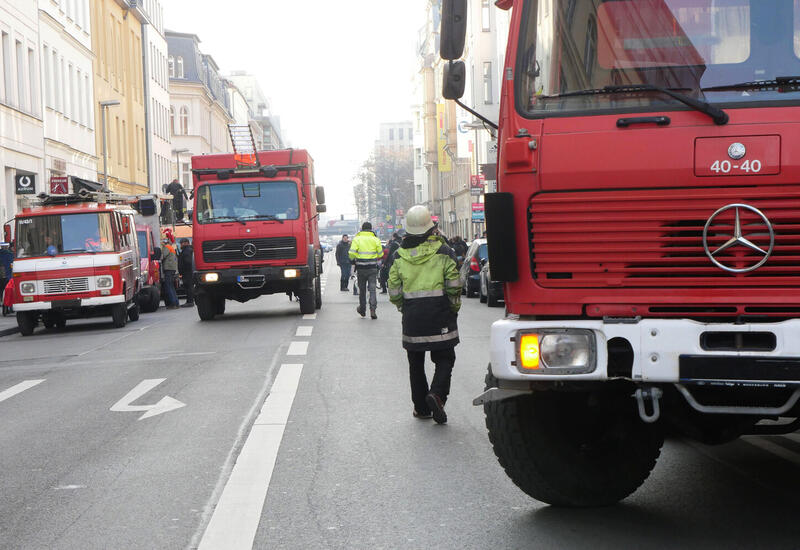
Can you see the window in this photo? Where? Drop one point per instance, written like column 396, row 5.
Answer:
column 20, row 77
column 486, row 15
column 186, row 175
column 179, row 70
column 400, row 134
column 184, row 120
column 391, row 134
column 171, row 67
column 797, row 28
column 87, row 98
column 487, row 82
column 33, row 83
column 46, row 68
column 172, row 120
column 5, row 86
column 71, row 113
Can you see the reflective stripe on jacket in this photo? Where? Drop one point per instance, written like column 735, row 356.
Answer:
column 366, row 249
column 425, row 286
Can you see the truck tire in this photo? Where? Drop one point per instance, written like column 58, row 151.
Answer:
column 205, row 307
column 219, row 306
column 307, row 300
column 318, row 293
column 133, row 313
column 26, row 321
column 573, row 448
column 149, row 299
column 119, row 314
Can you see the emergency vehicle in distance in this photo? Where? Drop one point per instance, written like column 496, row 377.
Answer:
column 255, row 226
column 646, row 230
column 76, row 256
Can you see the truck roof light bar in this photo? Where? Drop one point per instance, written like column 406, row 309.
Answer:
column 244, row 146
column 269, row 171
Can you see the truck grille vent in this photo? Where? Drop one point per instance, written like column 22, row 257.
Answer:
column 66, row 286
column 250, row 250
column 654, row 238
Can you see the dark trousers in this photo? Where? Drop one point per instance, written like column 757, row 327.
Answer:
column 345, row 276
column 186, row 280
column 367, row 280
column 169, row 283
column 3, row 283
column 444, row 359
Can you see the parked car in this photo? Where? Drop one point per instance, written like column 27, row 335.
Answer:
column 471, row 268
column 490, row 292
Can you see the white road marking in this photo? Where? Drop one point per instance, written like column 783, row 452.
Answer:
column 19, row 388
column 773, row 448
column 166, row 404
column 310, row 316
column 304, row 331
column 297, row 348
column 238, row 512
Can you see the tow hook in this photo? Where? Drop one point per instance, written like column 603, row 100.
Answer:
column 652, row 394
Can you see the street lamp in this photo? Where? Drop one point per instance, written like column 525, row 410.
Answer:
column 103, row 106
column 177, row 153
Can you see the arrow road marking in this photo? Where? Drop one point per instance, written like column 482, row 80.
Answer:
column 166, row 404
column 19, row 388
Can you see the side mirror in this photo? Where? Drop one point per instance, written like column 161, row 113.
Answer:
column 126, row 224
column 7, row 233
column 454, row 79
column 321, row 208
column 320, row 195
column 454, row 29
column 156, row 255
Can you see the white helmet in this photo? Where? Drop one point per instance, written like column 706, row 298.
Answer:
column 418, row 220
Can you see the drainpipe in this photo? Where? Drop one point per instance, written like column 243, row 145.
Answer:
column 148, row 138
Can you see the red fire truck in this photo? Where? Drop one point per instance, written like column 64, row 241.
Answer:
column 75, row 256
column 255, row 226
column 647, row 229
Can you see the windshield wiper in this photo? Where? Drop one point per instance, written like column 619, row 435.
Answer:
column 233, row 218
column 717, row 115
column 76, row 250
column 260, row 217
column 793, row 82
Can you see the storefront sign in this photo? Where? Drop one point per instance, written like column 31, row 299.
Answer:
column 25, row 184
column 477, row 212
column 59, row 185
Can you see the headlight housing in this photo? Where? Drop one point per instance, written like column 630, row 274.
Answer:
column 105, row 281
column 211, row 277
column 27, row 287
column 556, row 351
column 290, row 273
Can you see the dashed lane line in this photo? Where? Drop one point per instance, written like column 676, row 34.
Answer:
column 235, row 520
column 304, row 331
column 309, row 316
column 297, row 348
column 19, row 388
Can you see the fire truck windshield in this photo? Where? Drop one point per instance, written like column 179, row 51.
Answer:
column 703, row 48
column 266, row 200
column 64, row 234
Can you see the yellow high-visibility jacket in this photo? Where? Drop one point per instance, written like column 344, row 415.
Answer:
column 366, row 250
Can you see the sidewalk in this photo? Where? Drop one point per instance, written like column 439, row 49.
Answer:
column 8, row 325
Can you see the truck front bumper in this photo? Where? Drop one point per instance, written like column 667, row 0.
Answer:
column 253, row 278
column 664, row 351
column 95, row 301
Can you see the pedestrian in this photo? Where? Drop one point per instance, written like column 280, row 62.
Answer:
column 383, row 277
column 178, row 195
column 425, row 286
column 343, row 261
column 186, row 270
column 366, row 251
column 169, row 263
column 6, row 257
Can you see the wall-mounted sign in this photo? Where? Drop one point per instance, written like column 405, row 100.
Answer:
column 477, row 212
column 25, row 184
column 59, row 185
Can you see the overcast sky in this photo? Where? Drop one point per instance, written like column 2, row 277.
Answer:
column 333, row 70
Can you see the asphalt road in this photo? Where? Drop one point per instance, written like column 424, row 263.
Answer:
column 352, row 467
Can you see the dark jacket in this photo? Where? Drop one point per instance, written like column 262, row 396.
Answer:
column 341, row 253
column 185, row 259
column 425, row 286
column 6, row 257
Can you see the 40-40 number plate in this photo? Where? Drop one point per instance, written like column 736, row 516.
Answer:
column 762, row 156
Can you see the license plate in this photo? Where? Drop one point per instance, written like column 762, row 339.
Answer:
column 64, row 304
column 243, row 279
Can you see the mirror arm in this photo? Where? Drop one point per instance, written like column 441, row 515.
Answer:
column 476, row 114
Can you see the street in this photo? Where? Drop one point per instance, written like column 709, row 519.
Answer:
column 158, row 436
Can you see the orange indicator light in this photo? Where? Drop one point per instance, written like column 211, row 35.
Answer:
column 529, row 351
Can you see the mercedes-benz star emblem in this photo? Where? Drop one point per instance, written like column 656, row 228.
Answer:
column 739, row 238
column 249, row 250
column 736, row 151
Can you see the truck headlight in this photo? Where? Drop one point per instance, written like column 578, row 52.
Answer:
column 105, row 281
column 27, row 287
column 563, row 351
column 289, row 273
column 211, row 277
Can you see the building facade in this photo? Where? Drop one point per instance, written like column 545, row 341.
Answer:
column 199, row 104
column 21, row 124
column 66, row 61
column 119, row 76
column 270, row 125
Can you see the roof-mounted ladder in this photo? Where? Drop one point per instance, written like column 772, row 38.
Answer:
column 244, row 146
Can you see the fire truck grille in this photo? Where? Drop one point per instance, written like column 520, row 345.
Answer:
column 654, row 238
column 249, row 250
column 66, row 286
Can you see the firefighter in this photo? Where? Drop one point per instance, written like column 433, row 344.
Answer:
column 425, row 286
column 366, row 251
